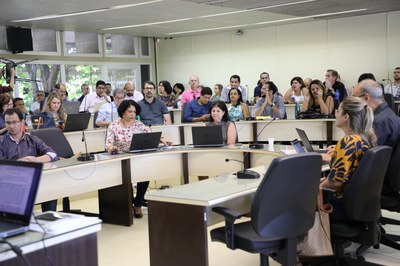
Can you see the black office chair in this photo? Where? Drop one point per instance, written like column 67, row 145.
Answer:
column 54, row 138
column 389, row 98
column 282, row 210
column 390, row 199
column 361, row 203
column 95, row 115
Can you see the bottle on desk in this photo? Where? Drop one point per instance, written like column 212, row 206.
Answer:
column 297, row 110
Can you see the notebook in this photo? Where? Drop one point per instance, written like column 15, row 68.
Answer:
column 77, row 122
column 306, row 141
column 71, row 107
column 144, row 142
column 19, row 182
column 207, row 136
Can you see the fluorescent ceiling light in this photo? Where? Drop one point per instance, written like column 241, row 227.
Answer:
column 207, row 16
column 267, row 22
column 84, row 12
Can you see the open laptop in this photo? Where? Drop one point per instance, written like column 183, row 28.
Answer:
column 19, row 182
column 207, row 136
column 71, row 107
column 77, row 122
column 144, row 142
column 306, row 142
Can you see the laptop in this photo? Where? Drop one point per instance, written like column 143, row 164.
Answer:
column 306, row 142
column 144, row 142
column 207, row 136
column 19, row 182
column 77, row 122
column 71, row 107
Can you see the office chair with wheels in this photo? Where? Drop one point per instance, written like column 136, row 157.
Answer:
column 361, row 203
column 54, row 138
column 282, row 210
column 390, row 199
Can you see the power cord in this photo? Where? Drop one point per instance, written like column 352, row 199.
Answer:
column 46, row 254
column 17, row 250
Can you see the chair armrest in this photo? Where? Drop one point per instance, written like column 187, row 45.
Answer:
column 230, row 217
column 229, row 214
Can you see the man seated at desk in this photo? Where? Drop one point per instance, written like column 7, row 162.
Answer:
column 16, row 145
column 99, row 96
column 153, row 110
column 197, row 110
column 271, row 103
column 108, row 112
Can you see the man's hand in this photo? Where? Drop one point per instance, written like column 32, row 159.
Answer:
column 28, row 159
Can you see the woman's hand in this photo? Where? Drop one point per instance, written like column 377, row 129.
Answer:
column 166, row 141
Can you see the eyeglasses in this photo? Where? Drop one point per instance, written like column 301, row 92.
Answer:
column 12, row 123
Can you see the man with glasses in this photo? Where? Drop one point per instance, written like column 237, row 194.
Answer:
column 98, row 96
column 16, row 145
column 197, row 110
column 386, row 122
column 153, row 110
column 394, row 88
column 109, row 112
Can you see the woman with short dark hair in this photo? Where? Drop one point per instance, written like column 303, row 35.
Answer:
column 219, row 117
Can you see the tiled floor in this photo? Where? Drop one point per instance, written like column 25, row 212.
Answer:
column 120, row 245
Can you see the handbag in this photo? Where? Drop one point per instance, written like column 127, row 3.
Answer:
column 318, row 239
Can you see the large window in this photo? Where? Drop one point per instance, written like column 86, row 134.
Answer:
column 82, row 43
column 76, row 75
column 120, row 45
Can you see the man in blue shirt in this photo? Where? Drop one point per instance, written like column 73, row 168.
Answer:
column 16, row 145
column 197, row 110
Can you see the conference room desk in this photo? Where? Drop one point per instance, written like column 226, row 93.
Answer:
column 112, row 175
column 77, row 246
column 178, row 217
column 281, row 130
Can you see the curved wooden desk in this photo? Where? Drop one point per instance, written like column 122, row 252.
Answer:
column 282, row 130
column 113, row 175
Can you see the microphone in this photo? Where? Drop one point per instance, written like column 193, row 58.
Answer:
column 245, row 173
column 86, row 156
column 256, row 145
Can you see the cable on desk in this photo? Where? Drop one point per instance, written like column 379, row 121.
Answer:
column 81, row 178
column 48, row 259
column 17, row 250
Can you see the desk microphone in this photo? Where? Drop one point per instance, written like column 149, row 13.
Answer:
column 257, row 145
column 86, row 156
column 244, row 174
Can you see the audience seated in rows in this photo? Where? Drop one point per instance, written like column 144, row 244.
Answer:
column 6, row 103
column 85, row 91
column 264, row 78
column 165, row 93
column 131, row 93
column 333, row 84
column 98, row 96
column 178, row 90
column 193, row 92
column 217, row 92
column 108, row 112
column 318, row 99
column 394, row 87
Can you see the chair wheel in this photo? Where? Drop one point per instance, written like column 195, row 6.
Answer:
column 376, row 246
column 360, row 258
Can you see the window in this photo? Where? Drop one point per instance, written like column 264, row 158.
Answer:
column 145, row 46
column 81, row 43
column 76, row 75
column 120, row 45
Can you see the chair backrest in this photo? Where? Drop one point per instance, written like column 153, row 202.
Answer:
column 95, row 115
column 389, row 98
column 183, row 112
column 361, row 198
column 392, row 177
column 284, row 203
column 55, row 139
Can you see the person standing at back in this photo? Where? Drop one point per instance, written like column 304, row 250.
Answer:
column 153, row 110
column 394, row 88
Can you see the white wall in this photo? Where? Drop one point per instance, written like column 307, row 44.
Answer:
column 350, row 45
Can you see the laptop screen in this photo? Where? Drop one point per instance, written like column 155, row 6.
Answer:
column 305, row 140
column 19, row 182
column 77, row 122
column 207, row 136
column 145, row 142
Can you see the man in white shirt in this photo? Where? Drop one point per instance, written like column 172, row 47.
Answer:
column 99, row 96
column 394, row 88
column 109, row 112
column 131, row 93
column 234, row 83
